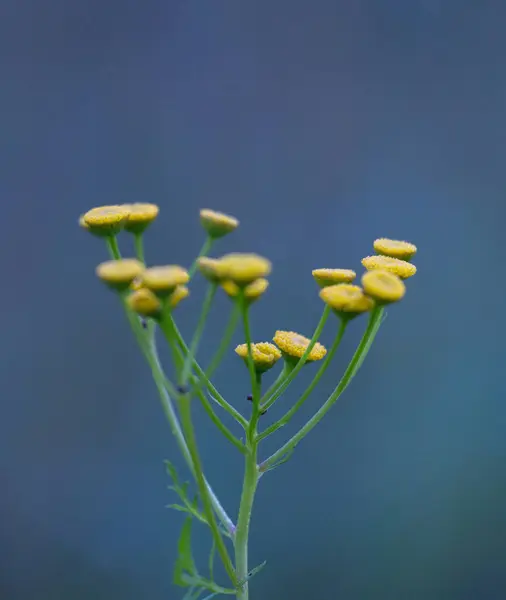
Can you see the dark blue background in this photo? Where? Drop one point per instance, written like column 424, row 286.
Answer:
column 321, row 125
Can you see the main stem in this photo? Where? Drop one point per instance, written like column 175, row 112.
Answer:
column 250, row 468
column 243, row 521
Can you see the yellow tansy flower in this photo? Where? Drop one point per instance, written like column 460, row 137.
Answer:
column 396, row 266
column 293, row 345
column 395, row 248
column 106, row 220
column 383, row 286
column 252, row 292
column 243, row 269
column 347, row 300
column 163, row 280
column 180, row 293
column 119, row 274
column 140, row 216
column 264, row 354
column 144, row 303
column 217, row 224
column 325, row 277
column 209, row 267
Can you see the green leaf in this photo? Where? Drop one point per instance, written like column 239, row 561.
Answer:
column 185, row 572
column 252, row 573
column 184, row 547
column 281, row 461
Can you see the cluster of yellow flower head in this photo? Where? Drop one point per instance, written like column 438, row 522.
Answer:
column 244, row 275
column 382, row 283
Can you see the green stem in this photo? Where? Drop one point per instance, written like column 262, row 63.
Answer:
column 243, row 521
column 190, row 356
column 216, row 420
column 328, row 359
column 254, row 376
column 203, row 252
column 355, row 363
column 148, row 349
column 225, row 342
column 186, row 421
column 112, row 246
column 169, row 325
column 139, row 247
column 266, row 401
column 302, row 361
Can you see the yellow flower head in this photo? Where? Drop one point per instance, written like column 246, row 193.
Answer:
column 180, row 293
column 106, row 220
column 383, row 286
column 265, row 355
column 325, row 277
column 119, row 274
column 209, row 267
column 395, row 248
column 243, row 269
column 140, row 216
column 136, row 284
column 346, row 299
column 82, row 223
column 252, row 292
column 217, row 224
column 293, row 345
column 144, row 303
column 396, row 266
column 163, row 280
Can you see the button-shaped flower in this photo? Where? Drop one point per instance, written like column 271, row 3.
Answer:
column 105, row 220
column 395, row 248
column 119, row 274
column 264, row 354
column 325, row 277
column 144, row 303
column 252, row 291
column 401, row 268
column 163, row 280
column 383, row 286
column 217, row 224
column 293, row 345
column 140, row 215
column 346, row 300
column 243, row 269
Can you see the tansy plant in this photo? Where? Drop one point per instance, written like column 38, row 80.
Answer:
column 149, row 297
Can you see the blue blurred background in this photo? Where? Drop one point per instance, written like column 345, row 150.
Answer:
column 321, row 125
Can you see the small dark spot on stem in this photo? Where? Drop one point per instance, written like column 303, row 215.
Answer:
column 182, row 389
